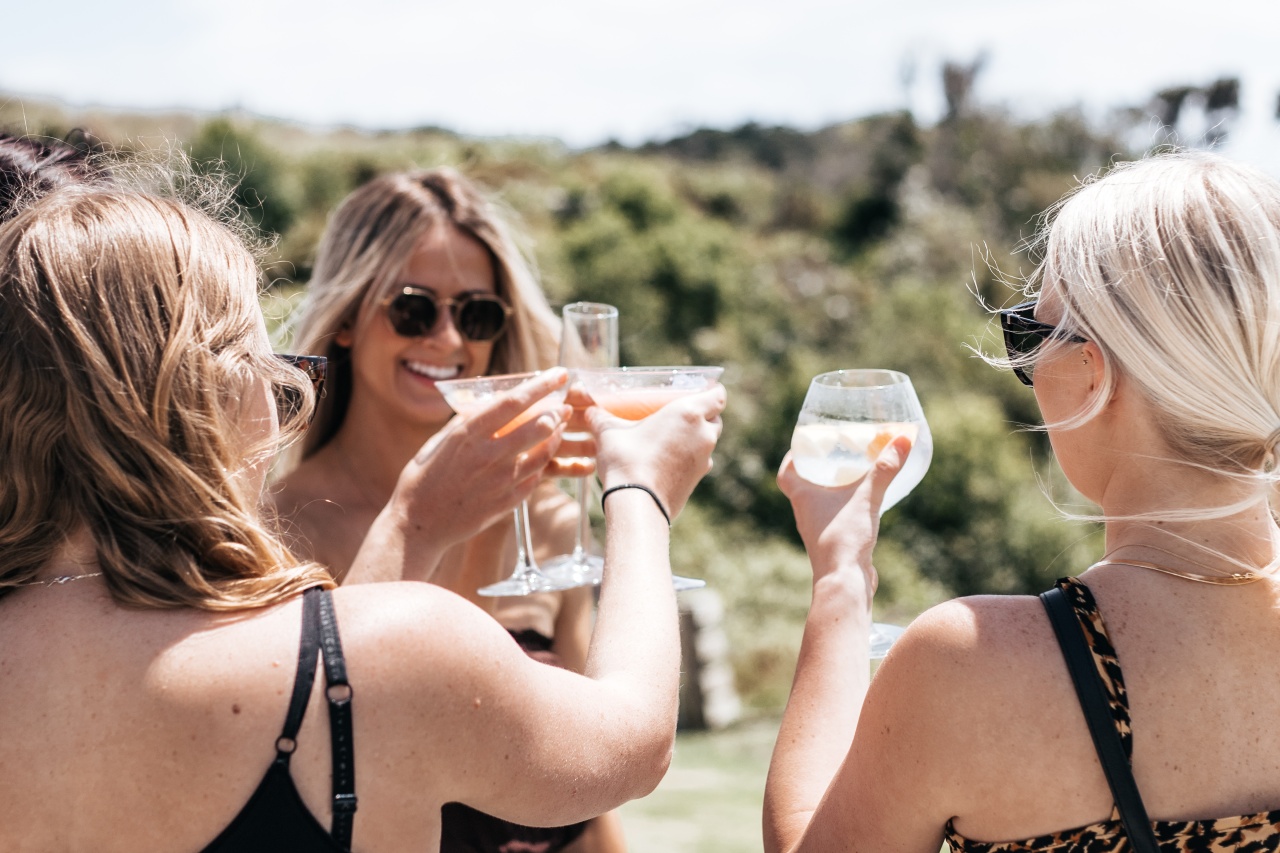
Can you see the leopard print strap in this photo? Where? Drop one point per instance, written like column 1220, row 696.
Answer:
column 1104, row 657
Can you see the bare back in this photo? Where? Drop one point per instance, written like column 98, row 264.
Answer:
column 119, row 708
column 982, row 681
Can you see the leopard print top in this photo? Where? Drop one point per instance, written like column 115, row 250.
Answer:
column 1254, row 833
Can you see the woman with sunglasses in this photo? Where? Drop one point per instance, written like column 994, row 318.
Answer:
column 176, row 678
column 1130, row 708
column 417, row 279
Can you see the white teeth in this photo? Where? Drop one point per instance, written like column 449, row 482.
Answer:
column 431, row 371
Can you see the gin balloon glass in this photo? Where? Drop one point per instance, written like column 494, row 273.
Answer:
column 848, row 417
column 465, row 395
column 589, row 338
column 637, row 392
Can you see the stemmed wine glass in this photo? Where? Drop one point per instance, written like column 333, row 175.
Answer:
column 464, row 395
column 589, row 338
column 637, row 392
column 848, row 417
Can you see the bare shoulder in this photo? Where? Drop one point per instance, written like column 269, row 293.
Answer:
column 420, row 635
column 976, row 689
column 316, row 519
column 306, row 489
column 978, row 649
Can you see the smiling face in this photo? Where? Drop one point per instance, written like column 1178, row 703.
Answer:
column 397, row 375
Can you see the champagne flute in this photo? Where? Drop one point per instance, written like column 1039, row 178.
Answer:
column 848, row 417
column 589, row 338
column 637, row 392
column 465, row 395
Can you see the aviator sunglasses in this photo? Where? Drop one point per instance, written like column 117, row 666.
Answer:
column 1023, row 333
column 414, row 312
column 288, row 401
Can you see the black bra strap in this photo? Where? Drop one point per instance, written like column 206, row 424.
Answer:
column 338, row 692
column 1097, row 713
column 309, row 647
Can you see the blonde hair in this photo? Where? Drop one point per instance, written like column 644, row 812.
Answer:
column 365, row 248
column 1171, row 266
column 131, row 331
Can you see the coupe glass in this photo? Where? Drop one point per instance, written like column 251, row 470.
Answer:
column 847, row 419
column 637, row 392
column 465, row 395
column 589, row 338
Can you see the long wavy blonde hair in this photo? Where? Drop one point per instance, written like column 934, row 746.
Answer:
column 365, row 248
column 131, row 332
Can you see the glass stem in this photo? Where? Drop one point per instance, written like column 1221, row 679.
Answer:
column 524, row 545
column 583, row 543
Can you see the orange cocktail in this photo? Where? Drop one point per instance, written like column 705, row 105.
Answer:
column 634, row 405
column 637, row 392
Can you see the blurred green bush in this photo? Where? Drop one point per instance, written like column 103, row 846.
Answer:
column 778, row 254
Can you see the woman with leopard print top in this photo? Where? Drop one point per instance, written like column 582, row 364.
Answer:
column 1154, row 347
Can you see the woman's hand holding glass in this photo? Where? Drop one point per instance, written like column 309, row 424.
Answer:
column 468, row 476
column 668, row 451
column 576, row 455
column 848, row 420
column 839, row 525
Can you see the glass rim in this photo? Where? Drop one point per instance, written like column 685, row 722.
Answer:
column 642, row 371
column 831, row 379
column 514, row 378
column 599, row 309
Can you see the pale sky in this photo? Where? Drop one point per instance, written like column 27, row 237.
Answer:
column 587, row 70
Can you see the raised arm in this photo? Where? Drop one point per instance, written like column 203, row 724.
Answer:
column 541, row 745
column 814, row 794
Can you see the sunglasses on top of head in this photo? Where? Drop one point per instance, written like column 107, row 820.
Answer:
column 1023, row 334
column 316, row 368
column 415, row 312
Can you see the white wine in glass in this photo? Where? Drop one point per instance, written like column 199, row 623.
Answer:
column 848, row 417
column 464, row 395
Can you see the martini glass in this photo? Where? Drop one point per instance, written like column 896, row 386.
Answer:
column 465, row 395
column 848, row 417
column 637, row 392
column 589, row 338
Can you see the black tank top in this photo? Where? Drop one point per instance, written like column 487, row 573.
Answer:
column 275, row 820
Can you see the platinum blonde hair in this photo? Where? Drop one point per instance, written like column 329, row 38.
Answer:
column 1171, row 266
column 131, row 331
column 365, row 248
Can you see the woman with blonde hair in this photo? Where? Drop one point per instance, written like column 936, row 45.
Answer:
column 161, row 645
column 1129, row 708
column 418, row 279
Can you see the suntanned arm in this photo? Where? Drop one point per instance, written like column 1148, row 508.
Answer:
column 537, row 744
column 571, row 639
column 823, row 792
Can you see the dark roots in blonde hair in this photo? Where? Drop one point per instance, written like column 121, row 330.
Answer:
column 131, row 333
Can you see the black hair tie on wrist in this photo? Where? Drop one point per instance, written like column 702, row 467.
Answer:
column 662, row 509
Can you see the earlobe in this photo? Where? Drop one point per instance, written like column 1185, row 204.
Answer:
column 343, row 336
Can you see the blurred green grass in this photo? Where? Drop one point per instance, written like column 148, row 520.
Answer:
column 711, row 799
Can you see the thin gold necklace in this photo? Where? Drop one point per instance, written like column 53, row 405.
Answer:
column 1233, row 579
